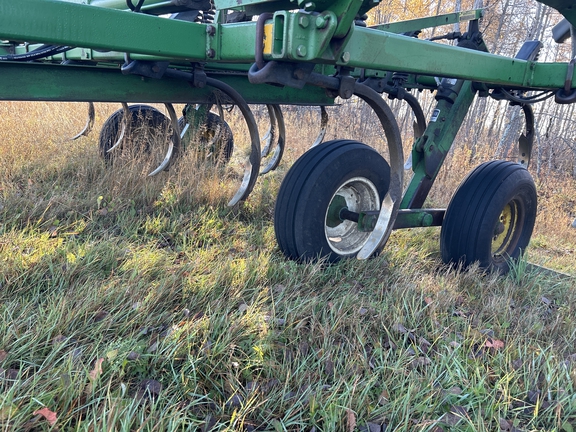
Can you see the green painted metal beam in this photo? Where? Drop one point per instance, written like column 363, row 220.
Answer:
column 70, row 24
column 65, row 23
column 428, row 22
column 431, row 149
column 42, row 82
column 373, row 49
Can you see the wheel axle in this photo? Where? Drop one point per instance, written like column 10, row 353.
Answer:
column 366, row 220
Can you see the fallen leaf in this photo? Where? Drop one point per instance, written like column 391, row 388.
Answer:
column 375, row 427
column 59, row 339
column 9, row 374
column 3, row 355
column 133, row 355
column 495, row 344
column 399, row 328
column 329, row 367
column 50, row 416
column 100, row 315
column 111, row 355
column 97, row 371
column 350, row 420
column 384, row 397
column 148, row 387
column 235, row 401
column 487, row 332
column 505, row 425
column 424, row 345
column 533, row 396
column 453, row 417
column 420, row 362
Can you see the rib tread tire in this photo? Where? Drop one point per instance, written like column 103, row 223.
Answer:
column 473, row 212
column 304, row 186
column 111, row 127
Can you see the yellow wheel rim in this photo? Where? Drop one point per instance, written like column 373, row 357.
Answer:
column 505, row 228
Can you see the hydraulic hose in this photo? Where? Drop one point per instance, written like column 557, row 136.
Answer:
column 38, row 53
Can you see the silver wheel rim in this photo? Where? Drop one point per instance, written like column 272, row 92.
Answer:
column 360, row 195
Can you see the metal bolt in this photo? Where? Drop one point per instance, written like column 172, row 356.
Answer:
column 301, row 51
column 345, row 57
column 211, row 30
column 322, row 21
column 210, row 53
column 304, row 21
column 309, row 6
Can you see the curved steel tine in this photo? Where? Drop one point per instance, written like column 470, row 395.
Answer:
column 279, row 150
column 89, row 123
column 174, row 141
column 323, row 126
column 184, row 130
column 126, row 117
column 419, row 124
column 270, row 134
column 253, row 164
column 391, row 202
column 408, row 163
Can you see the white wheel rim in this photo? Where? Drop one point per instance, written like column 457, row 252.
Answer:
column 360, row 195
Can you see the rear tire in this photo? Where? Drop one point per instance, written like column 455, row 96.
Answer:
column 327, row 178
column 147, row 125
column 213, row 139
column 490, row 217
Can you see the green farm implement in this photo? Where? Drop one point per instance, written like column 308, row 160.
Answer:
column 342, row 198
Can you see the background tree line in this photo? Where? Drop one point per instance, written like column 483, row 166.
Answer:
column 496, row 125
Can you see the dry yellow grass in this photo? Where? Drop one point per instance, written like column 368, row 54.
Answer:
column 35, row 148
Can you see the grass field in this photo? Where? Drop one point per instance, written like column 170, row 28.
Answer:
column 134, row 303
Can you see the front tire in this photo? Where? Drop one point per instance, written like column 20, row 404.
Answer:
column 490, row 217
column 327, row 178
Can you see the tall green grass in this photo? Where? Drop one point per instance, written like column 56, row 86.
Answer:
column 134, row 303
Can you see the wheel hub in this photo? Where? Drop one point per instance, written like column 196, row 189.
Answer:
column 506, row 229
column 356, row 195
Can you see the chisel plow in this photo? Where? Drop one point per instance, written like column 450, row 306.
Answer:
column 342, row 198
